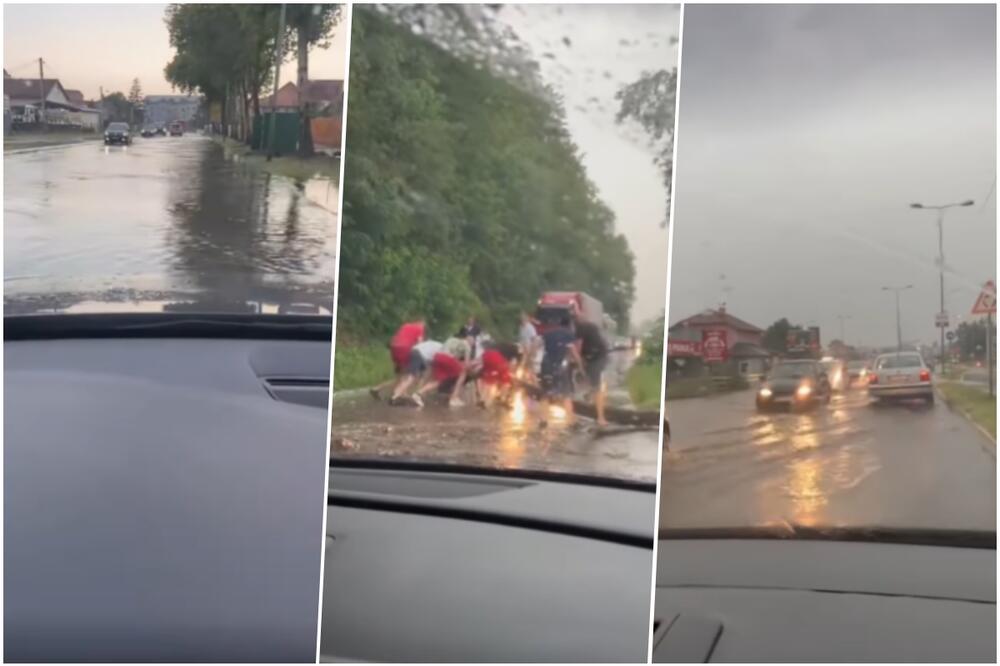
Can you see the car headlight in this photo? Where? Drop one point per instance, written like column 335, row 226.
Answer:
column 804, row 391
column 764, row 392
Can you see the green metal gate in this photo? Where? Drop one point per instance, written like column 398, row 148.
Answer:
column 286, row 133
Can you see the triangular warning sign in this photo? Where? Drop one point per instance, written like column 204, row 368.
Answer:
column 987, row 301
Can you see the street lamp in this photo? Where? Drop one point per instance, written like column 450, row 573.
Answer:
column 899, row 326
column 940, row 224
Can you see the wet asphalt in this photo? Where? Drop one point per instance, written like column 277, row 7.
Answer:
column 162, row 217
column 847, row 463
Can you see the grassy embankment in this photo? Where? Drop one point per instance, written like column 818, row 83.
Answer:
column 644, row 384
column 290, row 166
column 975, row 403
column 45, row 139
column 359, row 366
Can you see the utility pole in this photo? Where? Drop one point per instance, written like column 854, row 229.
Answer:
column 989, row 351
column 280, row 46
column 943, row 324
column 103, row 112
column 899, row 325
column 41, row 92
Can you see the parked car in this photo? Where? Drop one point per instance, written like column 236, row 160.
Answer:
column 900, row 375
column 118, row 133
column 796, row 384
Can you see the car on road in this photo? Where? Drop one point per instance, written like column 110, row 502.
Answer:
column 161, row 130
column 176, row 128
column 148, row 131
column 118, row 133
column 900, row 376
column 796, row 384
column 836, row 372
column 856, row 371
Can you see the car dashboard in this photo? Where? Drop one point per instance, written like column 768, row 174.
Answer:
column 163, row 498
column 773, row 600
column 432, row 565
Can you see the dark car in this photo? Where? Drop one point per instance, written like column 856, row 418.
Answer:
column 148, row 131
column 176, row 128
column 117, row 133
column 797, row 384
column 161, row 130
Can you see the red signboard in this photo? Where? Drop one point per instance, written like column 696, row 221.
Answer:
column 714, row 346
column 678, row 348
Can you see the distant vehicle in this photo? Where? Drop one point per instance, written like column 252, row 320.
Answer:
column 900, row 375
column 836, row 372
column 795, row 384
column 856, row 371
column 553, row 305
column 148, row 131
column 176, row 128
column 161, row 130
column 803, row 342
column 117, row 133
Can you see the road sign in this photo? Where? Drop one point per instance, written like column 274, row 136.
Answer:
column 987, row 301
column 714, row 346
column 941, row 320
column 950, row 335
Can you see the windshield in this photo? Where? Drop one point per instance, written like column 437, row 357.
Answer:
column 822, row 156
column 102, row 218
column 455, row 208
column 898, row 361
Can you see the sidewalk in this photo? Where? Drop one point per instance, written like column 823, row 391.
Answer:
column 30, row 141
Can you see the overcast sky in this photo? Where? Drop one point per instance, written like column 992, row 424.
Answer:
column 804, row 134
column 87, row 46
column 610, row 47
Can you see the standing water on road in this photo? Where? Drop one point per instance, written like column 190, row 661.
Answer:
column 161, row 219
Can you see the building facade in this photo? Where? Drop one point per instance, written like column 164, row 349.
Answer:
column 165, row 109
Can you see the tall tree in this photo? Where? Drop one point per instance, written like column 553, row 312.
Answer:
column 135, row 101
column 311, row 25
column 776, row 336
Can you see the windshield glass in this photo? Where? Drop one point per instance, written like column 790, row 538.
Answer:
column 99, row 222
column 828, row 209
column 793, row 370
column 464, row 215
column 898, row 361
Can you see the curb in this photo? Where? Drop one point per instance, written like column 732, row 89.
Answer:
column 991, row 447
column 46, row 148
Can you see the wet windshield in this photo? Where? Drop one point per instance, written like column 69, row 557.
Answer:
column 462, row 216
column 99, row 222
column 807, row 140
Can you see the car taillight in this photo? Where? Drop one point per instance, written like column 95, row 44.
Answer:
column 873, row 378
column 925, row 375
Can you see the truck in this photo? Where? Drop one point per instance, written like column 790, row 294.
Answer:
column 554, row 305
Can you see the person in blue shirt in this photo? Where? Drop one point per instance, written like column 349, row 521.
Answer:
column 559, row 357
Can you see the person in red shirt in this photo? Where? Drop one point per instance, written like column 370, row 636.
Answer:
column 409, row 334
column 494, row 377
column 449, row 367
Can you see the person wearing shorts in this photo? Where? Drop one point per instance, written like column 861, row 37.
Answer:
column 408, row 335
column 593, row 361
column 559, row 346
column 418, row 368
column 494, row 374
column 447, row 365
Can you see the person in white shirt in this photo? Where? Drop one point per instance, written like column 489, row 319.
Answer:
column 419, row 368
column 529, row 341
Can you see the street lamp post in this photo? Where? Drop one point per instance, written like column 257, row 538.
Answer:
column 940, row 225
column 899, row 325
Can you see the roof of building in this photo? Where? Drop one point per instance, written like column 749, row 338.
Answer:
column 29, row 88
column 748, row 350
column 717, row 317
column 317, row 91
column 75, row 97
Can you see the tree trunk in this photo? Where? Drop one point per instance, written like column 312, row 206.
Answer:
column 305, row 131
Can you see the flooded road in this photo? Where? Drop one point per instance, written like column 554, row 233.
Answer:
column 161, row 218
column 498, row 438
column 846, row 463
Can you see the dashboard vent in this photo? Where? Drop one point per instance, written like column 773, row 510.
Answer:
column 310, row 392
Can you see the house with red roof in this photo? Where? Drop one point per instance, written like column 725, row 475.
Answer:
column 716, row 339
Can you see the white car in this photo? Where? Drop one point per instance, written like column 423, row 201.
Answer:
column 900, row 375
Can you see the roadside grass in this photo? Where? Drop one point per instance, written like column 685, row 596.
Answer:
column 360, row 366
column 977, row 404
column 643, row 383
column 290, row 166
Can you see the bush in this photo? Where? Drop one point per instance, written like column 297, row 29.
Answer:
column 360, row 366
column 644, row 385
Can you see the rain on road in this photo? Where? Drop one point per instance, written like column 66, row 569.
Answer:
column 844, row 464
column 162, row 217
